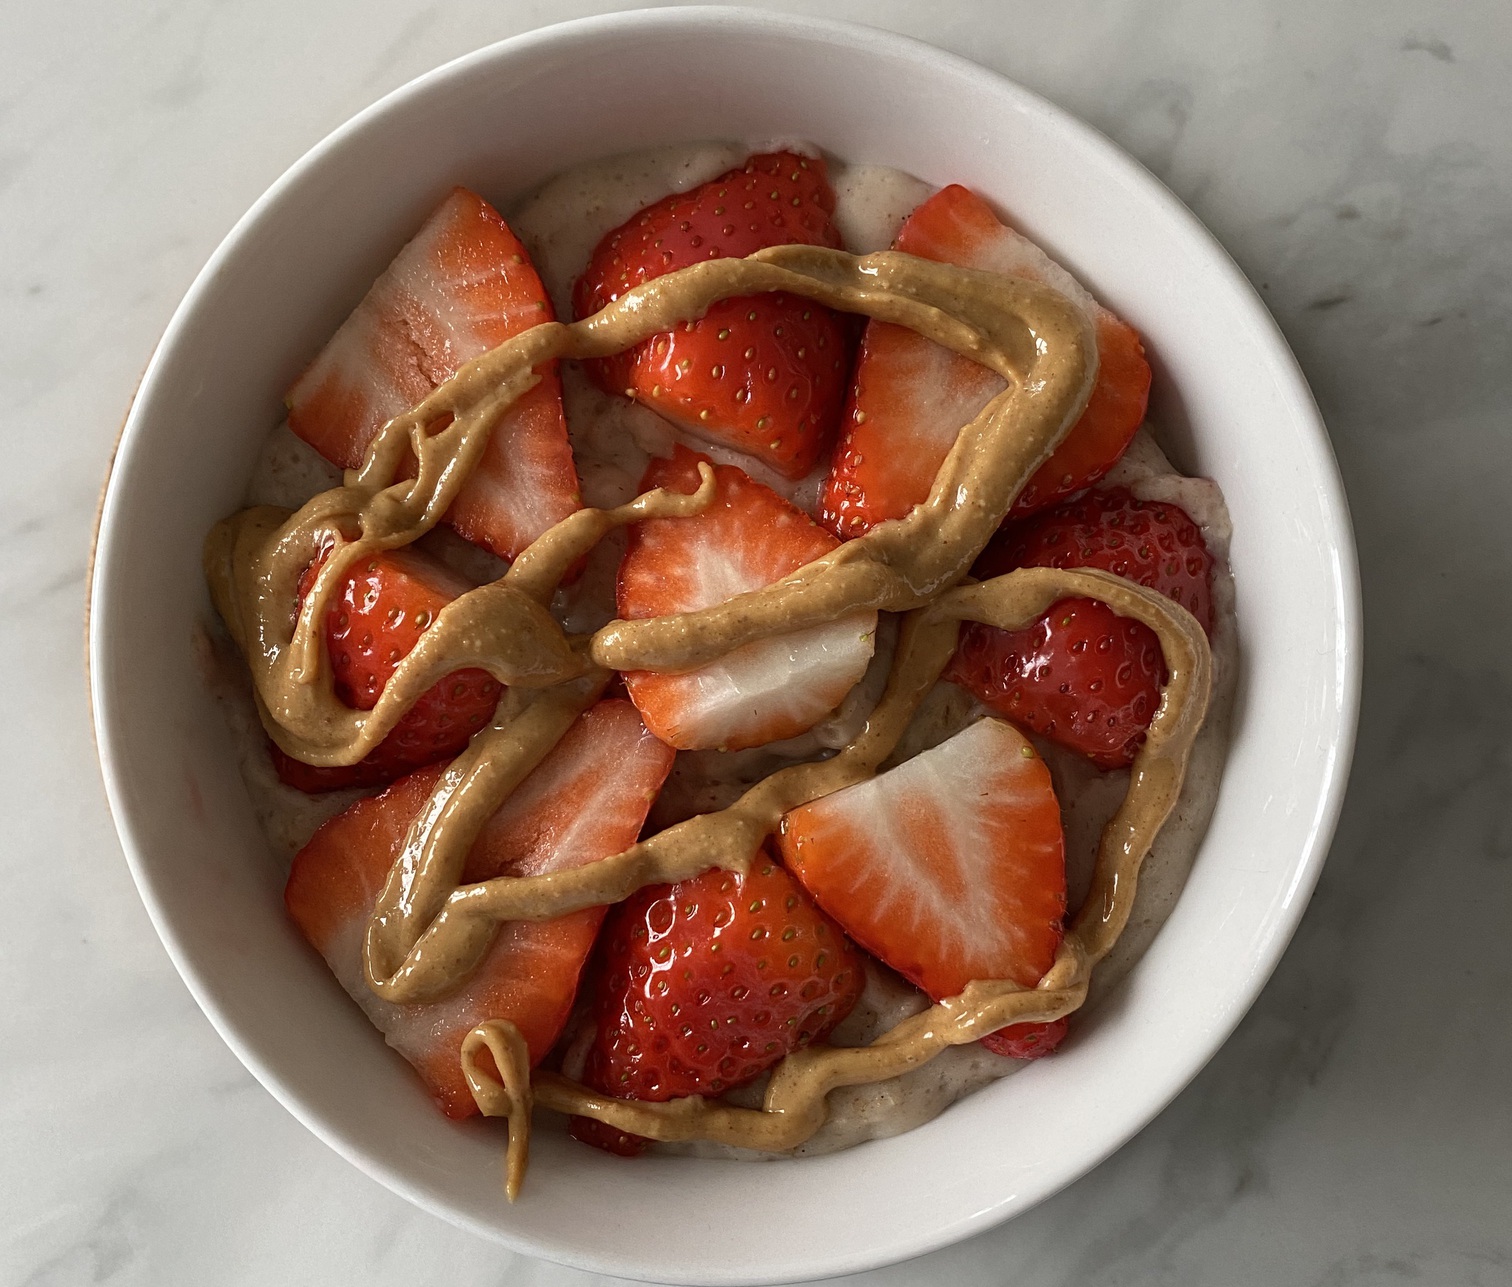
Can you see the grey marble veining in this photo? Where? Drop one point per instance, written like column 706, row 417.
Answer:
column 1355, row 158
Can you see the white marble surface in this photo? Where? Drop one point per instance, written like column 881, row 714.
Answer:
column 1356, row 159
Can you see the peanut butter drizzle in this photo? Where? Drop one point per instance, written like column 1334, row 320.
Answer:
column 1031, row 336
column 456, row 924
column 426, row 933
column 416, row 948
column 512, row 1099
column 794, row 1106
column 254, row 560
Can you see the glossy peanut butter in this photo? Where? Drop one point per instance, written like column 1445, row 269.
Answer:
column 427, row 933
column 794, row 1106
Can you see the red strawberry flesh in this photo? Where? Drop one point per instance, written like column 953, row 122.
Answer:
column 1081, row 675
column 462, row 286
column 1027, row 1040
column 765, row 374
column 748, row 538
column 588, row 799
column 703, row 985
column 382, row 608
column 910, row 397
column 949, row 867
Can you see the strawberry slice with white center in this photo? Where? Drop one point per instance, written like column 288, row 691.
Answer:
column 463, row 286
column 748, row 538
column 586, row 800
column 949, row 867
column 910, row 397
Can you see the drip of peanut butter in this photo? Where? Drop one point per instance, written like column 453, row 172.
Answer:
column 512, row 1098
column 427, row 934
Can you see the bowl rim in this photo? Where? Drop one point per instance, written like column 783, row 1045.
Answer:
column 1348, row 608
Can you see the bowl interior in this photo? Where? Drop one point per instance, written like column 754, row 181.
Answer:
column 1228, row 392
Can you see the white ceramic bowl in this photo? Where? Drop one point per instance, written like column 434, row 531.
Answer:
column 1227, row 391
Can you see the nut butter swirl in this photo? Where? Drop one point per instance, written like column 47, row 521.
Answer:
column 427, row 934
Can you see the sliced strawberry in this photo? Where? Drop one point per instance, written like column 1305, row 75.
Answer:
column 1027, row 1040
column 910, row 397
column 463, row 286
column 586, row 800
column 383, row 607
column 701, row 986
column 748, row 538
column 764, row 375
column 949, row 867
column 1081, row 675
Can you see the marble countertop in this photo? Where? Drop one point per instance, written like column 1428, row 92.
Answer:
column 1354, row 157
